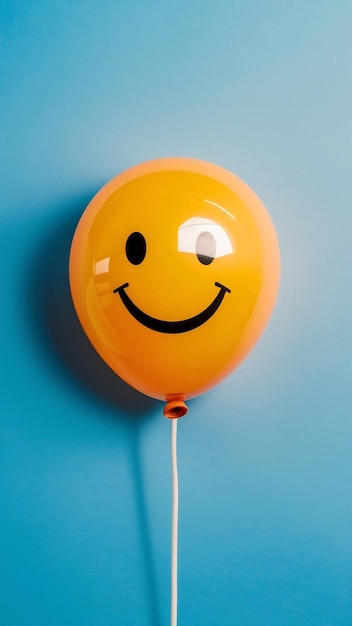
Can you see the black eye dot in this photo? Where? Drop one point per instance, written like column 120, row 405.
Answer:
column 206, row 248
column 136, row 248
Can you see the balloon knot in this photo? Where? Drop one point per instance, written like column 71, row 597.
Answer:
column 175, row 408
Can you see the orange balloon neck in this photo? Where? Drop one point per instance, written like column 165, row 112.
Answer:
column 175, row 408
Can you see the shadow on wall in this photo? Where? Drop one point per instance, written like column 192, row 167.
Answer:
column 57, row 327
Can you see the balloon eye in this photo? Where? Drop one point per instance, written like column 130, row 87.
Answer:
column 204, row 237
column 206, row 248
column 136, row 248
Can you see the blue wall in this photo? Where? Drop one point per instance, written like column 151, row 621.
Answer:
column 263, row 89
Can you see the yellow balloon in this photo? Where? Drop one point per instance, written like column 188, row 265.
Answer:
column 174, row 273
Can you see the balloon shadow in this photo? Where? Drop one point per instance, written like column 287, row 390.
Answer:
column 57, row 330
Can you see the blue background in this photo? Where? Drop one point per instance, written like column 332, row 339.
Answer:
column 264, row 89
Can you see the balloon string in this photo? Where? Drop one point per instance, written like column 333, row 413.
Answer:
column 174, row 529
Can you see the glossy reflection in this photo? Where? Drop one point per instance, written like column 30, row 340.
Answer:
column 199, row 235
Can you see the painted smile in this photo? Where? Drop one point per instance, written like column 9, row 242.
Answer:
column 164, row 326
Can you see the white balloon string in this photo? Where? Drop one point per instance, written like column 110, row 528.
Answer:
column 174, row 529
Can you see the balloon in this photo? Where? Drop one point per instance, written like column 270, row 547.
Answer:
column 174, row 273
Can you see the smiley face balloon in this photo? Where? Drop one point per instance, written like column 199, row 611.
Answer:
column 174, row 273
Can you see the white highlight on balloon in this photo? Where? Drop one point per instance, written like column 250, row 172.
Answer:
column 190, row 230
column 220, row 207
column 102, row 267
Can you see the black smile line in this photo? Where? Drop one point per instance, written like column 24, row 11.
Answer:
column 163, row 326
